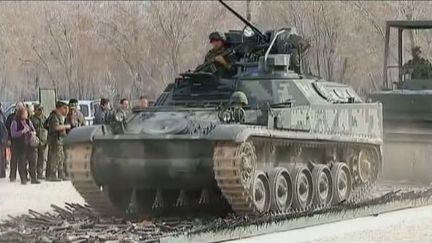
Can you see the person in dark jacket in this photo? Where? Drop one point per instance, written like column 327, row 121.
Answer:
column 3, row 143
column 102, row 112
column 22, row 131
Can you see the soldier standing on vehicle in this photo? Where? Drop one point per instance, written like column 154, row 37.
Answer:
column 221, row 66
column 38, row 120
column 74, row 117
column 102, row 112
column 238, row 102
column 56, row 133
column 418, row 67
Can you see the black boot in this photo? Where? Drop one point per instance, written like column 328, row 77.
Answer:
column 35, row 181
column 52, row 178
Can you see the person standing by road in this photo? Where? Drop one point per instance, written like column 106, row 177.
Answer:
column 102, row 112
column 22, row 131
column 38, row 120
column 13, row 162
column 74, row 117
column 56, row 133
column 3, row 143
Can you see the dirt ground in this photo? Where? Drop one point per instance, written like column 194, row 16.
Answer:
column 16, row 199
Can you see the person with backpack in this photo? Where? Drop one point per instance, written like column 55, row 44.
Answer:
column 13, row 162
column 22, row 134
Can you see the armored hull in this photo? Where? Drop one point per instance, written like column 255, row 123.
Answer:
column 315, row 151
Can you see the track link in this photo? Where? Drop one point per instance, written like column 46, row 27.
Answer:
column 227, row 168
column 79, row 168
column 227, row 160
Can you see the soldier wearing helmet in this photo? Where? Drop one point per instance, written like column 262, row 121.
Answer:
column 238, row 101
column 220, row 66
column 418, row 67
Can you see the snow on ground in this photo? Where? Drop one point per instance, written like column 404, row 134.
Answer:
column 410, row 225
column 16, row 199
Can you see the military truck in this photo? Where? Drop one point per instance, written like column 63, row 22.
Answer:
column 265, row 139
column 407, row 111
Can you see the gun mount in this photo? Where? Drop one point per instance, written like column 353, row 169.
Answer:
column 246, row 47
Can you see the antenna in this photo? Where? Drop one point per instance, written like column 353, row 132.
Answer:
column 255, row 29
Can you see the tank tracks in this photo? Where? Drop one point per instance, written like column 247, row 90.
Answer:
column 82, row 179
column 230, row 174
column 235, row 186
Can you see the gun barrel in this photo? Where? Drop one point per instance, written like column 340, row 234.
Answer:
column 255, row 29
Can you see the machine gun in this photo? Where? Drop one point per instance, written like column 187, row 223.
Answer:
column 251, row 42
column 210, row 63
column 253, row 28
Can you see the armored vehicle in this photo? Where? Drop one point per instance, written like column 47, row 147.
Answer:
column 407, row 112
column 265, row 139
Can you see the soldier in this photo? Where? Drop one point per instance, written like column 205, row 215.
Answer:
column 117, row 120
column 38, row 120
column 122, row 111
column 418, row 67
column 102, row 113
column 56, row 133
column 143, row 102
column 221, row 66
column 238, row 101
column 74, row 117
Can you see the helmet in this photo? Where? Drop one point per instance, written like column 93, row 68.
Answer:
column 239, row 97
column 216, row 36
column 416, row 49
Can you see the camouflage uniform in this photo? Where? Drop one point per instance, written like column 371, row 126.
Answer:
column 75, row 118
column 217, row 68
column 419, row 68
column 55, row 146
column 117, row 120
column 41, row 133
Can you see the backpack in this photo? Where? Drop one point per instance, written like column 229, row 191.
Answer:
column 47, row 121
